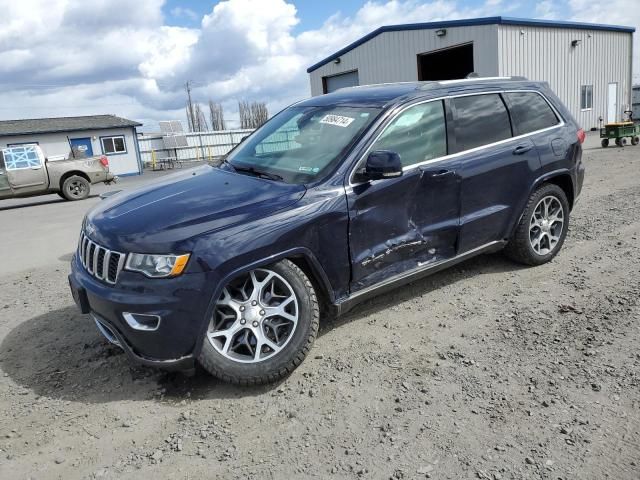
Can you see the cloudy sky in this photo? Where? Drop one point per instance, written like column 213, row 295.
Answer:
column 132, row 58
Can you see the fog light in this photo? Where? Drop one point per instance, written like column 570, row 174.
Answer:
column 141, row 321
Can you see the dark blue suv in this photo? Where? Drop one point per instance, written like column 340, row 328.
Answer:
column 335, row 199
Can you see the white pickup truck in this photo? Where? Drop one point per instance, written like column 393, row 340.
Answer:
column 26, row 172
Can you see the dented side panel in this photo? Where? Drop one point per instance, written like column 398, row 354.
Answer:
column 400, row 224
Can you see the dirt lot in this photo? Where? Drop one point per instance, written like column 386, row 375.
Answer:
column 488, row 371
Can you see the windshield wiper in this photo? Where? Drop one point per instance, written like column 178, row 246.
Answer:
column 258, row 173
column 230, row 164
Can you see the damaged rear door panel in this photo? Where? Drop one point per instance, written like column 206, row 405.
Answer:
column 401, row 224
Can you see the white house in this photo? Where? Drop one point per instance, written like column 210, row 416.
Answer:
column 107, row 135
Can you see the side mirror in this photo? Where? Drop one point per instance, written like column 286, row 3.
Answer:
column 382, row 164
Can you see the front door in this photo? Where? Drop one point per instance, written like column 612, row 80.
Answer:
column 83, row 145
column 612, row 103
column 25, row 169
column 5, row 188
column 403, row 224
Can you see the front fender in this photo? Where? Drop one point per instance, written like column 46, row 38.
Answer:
column 315, row 230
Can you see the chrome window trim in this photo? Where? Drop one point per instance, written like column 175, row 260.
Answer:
column 561, row 123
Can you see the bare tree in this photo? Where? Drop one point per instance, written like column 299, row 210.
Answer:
column 200, row 118
column 244, row 111
column 216, row 115
column 252, row 114
column 259, row 113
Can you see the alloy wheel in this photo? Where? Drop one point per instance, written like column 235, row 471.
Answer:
column 254, row 318
column 546, row 225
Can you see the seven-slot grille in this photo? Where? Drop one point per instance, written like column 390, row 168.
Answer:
column 98, row 261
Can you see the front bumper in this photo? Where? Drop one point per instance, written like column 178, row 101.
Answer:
column 181, row 302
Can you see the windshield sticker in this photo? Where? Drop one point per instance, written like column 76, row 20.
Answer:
column 309, row 169
column 337, row 120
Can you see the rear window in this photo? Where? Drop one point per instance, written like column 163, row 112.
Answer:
column 481, row 120
column 530, row 112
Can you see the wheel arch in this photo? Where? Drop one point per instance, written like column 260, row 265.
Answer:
column 561, row 178
column 66, row 175
column 302, row 257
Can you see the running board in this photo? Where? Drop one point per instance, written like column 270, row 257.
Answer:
column 346, row 304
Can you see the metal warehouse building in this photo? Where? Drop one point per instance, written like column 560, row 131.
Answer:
column 108, row 135
column 587, row 65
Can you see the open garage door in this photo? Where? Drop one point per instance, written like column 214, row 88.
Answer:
column 342, row 80
column 447, row 64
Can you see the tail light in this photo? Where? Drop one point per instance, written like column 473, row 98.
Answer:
column 581, row 136
column 104, row 161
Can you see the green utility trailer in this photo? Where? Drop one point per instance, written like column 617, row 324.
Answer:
column 619, row 131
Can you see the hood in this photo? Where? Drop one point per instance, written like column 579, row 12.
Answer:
column 160, row 216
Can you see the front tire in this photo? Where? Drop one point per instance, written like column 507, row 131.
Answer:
column 76, row 188
column 604, row 142
column 263, row 325
column 542, row 228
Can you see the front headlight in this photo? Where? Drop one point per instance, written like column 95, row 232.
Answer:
column 157, row 266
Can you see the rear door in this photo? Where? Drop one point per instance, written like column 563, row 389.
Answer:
column 532, row 115
column 25, row 169
column 496, row 169
column 403, row 224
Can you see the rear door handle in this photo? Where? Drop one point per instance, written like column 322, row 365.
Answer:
column 520, row 149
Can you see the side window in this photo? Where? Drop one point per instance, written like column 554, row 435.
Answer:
column 417, row 134
column 480, row 120
column 17, row 158
column 111, row 145
column 586, row 97
column 530, row 112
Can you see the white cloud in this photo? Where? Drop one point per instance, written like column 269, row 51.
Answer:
column 118, row 56
column 547, row 9
column 182, row 12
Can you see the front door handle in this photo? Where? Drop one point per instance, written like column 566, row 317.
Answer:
column 520, row 149
column 441, row 173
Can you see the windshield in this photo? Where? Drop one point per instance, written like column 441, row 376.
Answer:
column 302, row 144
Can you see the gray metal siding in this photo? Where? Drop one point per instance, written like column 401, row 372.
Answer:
column 542, row 53
column 392, row 56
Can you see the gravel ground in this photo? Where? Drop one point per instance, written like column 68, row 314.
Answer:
column 488, row 370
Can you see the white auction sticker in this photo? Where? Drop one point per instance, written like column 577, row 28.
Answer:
column 337, row 120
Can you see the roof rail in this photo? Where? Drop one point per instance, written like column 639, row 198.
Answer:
column 432, row 84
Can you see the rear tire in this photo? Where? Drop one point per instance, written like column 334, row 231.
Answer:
column 604, row 142
column 75, row 188
column 635, row 140
column 543, row 227
column 262, row 327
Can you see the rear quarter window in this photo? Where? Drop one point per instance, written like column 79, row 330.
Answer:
column 530, row 112
column 481, row 120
